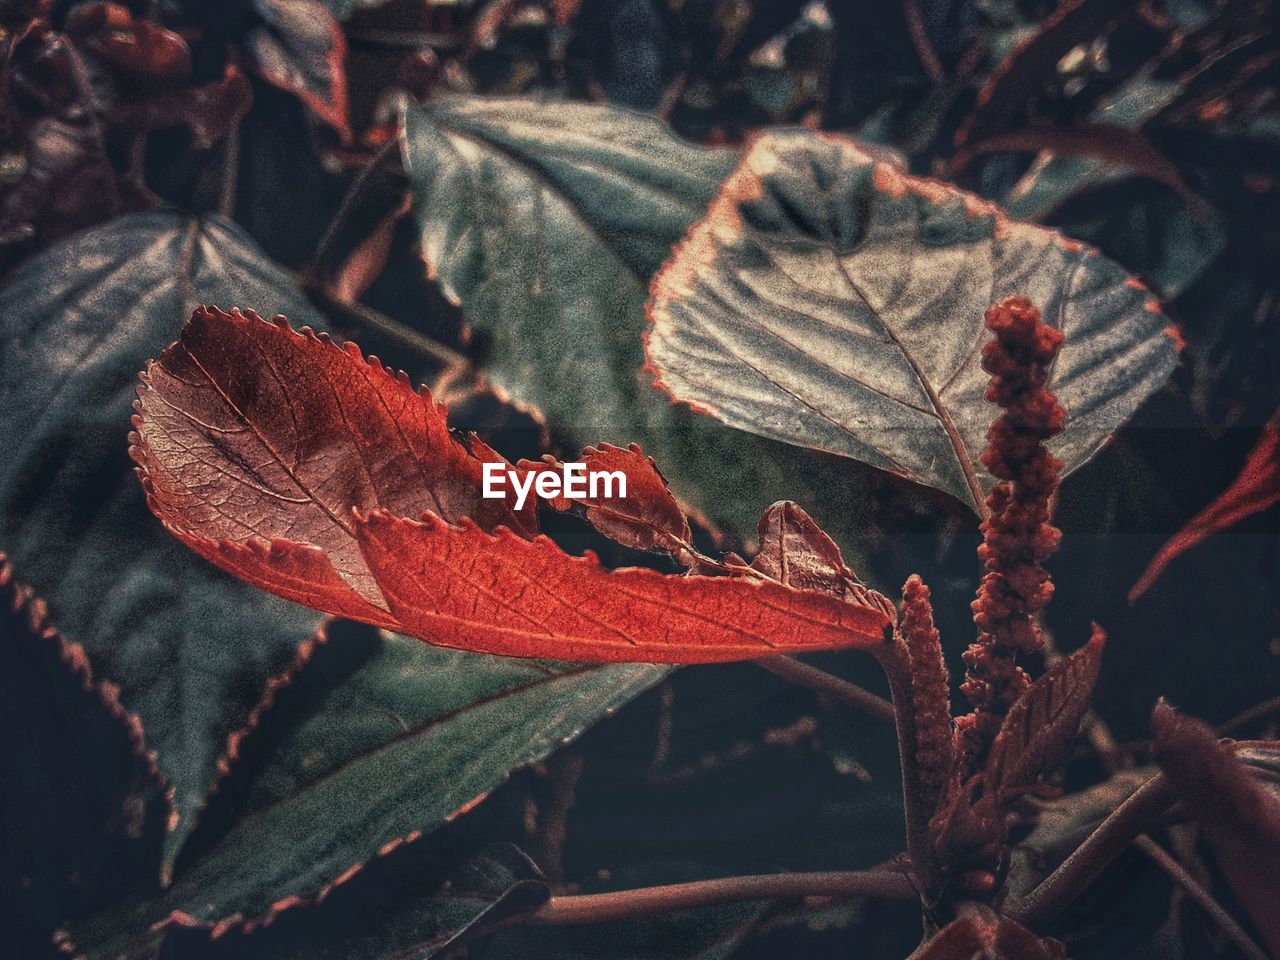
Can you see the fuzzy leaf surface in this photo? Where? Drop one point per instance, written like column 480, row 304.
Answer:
column 410, row 738
column 830, row 301
column 189, row 648
column 439, row 581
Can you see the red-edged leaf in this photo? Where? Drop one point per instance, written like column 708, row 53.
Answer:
column 463, row 587
column 255, row 443
column 1240, row 819
column 985, row 935
column 1040, row 726
column 300, row 48
column 647, row 517
column 1256, row 489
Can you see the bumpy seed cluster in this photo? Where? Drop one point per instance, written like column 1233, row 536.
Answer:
column 1017, row 537
column 929, row 687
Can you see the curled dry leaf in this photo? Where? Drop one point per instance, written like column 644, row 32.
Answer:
column 306, row 470
column 647, row 517
column 1256, row 489
column 1240, row 818
column 796, row 552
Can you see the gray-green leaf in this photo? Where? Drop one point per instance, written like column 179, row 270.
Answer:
column 411, row 738
column 829, row 301
column 189, row 647
column 545, row 221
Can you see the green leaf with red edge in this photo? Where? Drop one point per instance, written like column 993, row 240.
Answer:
column 830, row 301
column 83, row 804
column 1041, row 725
column 1256, row 489
column 1239, row 817
column 300, row 467
column 392, row 739
column 647, row 517
column 189, row 648
column 410, row 905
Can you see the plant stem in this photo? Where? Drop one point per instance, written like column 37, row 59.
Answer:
column 230, row 174
column 624, row 904
column 1132, row 818
column 793, row 671
column 1202, row 897
column 348, row 204
column 1259, row 711
column 896, row 662
column 370, row 319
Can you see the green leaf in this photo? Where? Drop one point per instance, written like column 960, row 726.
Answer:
column 401, row 908
column 189, row 648
column 545, row 221
column 829, row 301
column 407, row 742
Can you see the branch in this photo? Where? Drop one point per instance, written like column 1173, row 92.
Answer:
column 897, row 667
column 624, row 904
column 1203, row 898
column 1100, row 848
column 794, row 671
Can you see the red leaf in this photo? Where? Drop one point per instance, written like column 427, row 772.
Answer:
column 1042, row 723
column 295, row 464
column 1102, row 141
column 1256, row 489
column 1240, row 819
column 255, row 443
column 498, row 593
column 647, row 517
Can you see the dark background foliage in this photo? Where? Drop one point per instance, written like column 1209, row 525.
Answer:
column 714, row 771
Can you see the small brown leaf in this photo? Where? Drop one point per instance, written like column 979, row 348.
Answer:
column 1038, row 728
